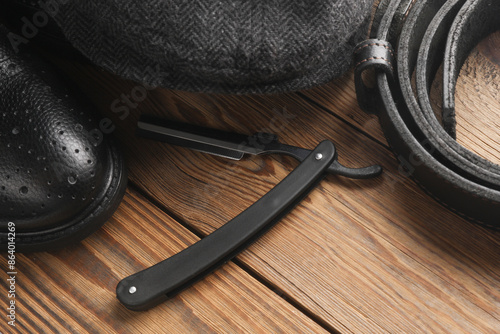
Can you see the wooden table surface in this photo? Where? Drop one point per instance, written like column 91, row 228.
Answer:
column 356, row 256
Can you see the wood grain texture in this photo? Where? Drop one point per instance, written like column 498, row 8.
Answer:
column 367, row 256
column 362, row 256
column 478, row 100
column 73, row 290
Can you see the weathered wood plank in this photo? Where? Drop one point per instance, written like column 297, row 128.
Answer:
column 364, row 256
column 478, row 101
column 73, row 290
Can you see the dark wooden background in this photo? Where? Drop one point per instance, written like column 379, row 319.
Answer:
column 363, row 256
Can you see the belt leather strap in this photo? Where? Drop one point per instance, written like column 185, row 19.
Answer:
column 429, row 33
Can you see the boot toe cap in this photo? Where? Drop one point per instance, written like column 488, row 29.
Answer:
column 60, row 175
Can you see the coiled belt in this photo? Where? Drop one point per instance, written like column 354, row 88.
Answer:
column 431, row 33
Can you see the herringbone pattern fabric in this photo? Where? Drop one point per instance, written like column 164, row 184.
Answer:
column 230, row 46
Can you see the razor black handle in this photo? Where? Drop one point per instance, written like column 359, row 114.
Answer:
column 156, row 284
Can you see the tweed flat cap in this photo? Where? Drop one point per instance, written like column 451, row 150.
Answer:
column 229, row 46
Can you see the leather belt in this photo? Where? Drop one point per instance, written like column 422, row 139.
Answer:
column 429, row 33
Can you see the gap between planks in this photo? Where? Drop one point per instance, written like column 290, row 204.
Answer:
column 273, row 288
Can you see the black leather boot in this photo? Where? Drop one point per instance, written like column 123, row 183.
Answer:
column 61, row 177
